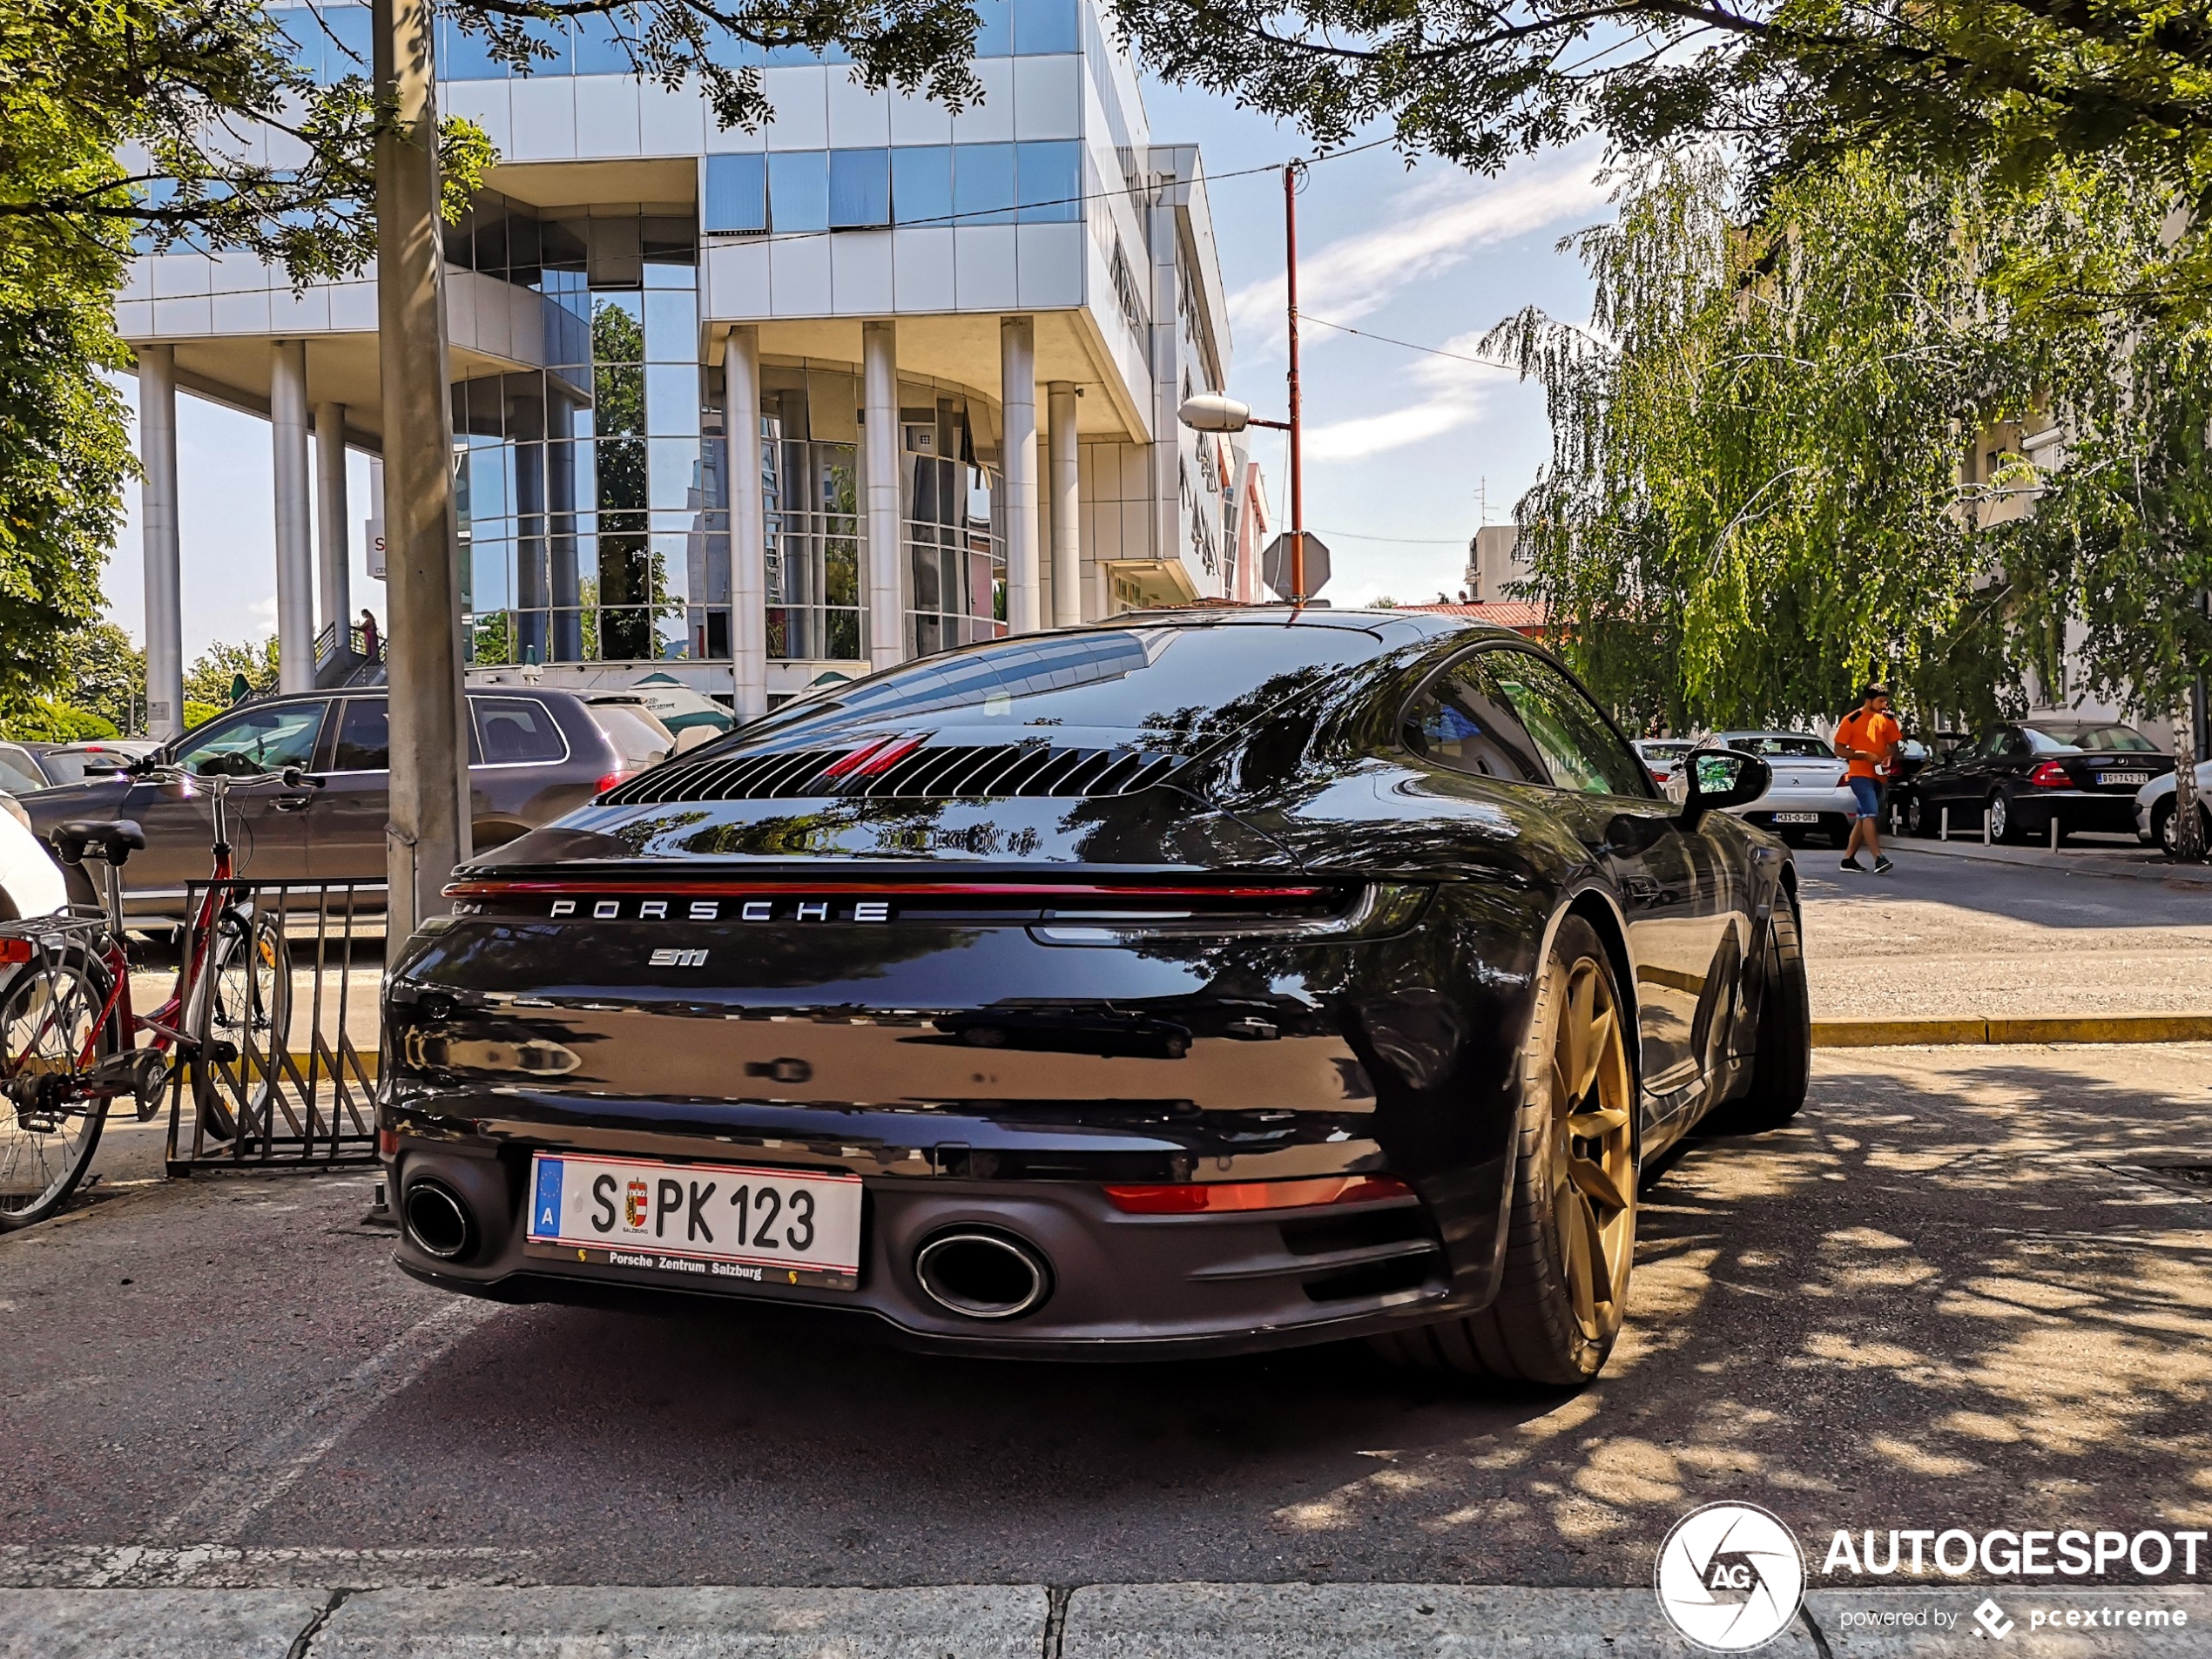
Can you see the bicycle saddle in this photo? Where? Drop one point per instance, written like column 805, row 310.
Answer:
column 114, row 842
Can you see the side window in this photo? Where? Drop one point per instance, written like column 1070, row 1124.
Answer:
column 2012, row 742
column 263, row 739
column 513, row 731
column 364, row 737
column 1577, row 743
column 1459, row 720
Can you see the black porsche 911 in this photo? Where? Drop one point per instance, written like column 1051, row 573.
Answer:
column 1190, row 983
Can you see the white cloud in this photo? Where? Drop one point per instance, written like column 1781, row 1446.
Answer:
column 1438, row 224
column 1453, row 393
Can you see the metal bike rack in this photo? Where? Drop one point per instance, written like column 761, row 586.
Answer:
column 306, row 1098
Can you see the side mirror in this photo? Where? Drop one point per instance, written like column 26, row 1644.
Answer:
column 1711, row 779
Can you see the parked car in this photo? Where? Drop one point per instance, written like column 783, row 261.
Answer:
column 69, row 763
column 30, row 882
column 1809, row 796
column 20, row 773
column 1199, row 981
column 2154, row 807
column 1661, row 756
column 533, row 755
column 2023, row 774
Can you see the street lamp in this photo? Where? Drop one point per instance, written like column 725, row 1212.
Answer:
column 1212, row 412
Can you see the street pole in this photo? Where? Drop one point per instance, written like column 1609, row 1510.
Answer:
column 428, row 833
column 1292, row 173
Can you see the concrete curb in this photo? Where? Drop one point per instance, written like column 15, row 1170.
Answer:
column 1301, row 1621
column 2088, row 1028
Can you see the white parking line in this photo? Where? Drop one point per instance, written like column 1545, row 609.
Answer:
column 265, row 1472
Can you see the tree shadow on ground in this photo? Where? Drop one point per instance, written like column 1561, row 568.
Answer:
column 1932, row 1302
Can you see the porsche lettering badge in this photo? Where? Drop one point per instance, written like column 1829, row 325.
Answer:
column 719, row 910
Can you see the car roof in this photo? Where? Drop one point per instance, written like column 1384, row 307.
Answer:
column 1382, row 620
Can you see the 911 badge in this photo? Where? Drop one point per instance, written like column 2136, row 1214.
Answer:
column 678, row 959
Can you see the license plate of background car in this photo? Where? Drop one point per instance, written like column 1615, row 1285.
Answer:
column 716, row 1223
column 1796, row 818
column 2139, row 779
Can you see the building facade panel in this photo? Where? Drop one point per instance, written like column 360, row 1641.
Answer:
column 592, row 292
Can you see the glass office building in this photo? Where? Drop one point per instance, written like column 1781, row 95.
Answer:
column 750, row 409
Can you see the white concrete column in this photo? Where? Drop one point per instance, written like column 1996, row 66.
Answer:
column 1018, row 465
column 879, row 399
column 294, row 539
column 1067, row 537
column 748, row 522
column 334, row 543
column 158, row 512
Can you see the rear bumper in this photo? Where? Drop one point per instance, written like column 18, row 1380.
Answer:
column 1124, row 1286
column 2075, row 809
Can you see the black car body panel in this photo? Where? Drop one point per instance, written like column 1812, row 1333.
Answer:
column 1254, row 940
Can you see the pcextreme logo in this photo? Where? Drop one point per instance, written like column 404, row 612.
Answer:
column 1730, row 1577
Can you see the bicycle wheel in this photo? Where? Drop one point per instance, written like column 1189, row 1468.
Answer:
column 48, row 1013
column 241, row 1019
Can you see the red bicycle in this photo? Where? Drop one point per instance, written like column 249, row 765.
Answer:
column 70, row 1039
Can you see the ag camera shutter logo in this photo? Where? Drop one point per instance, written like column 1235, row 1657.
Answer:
column 1730, row 1577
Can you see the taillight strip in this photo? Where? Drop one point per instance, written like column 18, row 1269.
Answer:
column 493, row 889
column 1216, row 1197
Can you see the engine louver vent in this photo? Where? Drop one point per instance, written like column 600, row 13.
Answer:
column 924, row 773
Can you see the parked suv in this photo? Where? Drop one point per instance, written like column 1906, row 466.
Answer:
column 533, row 755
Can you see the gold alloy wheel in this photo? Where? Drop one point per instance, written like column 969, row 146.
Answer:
column 1593, row 1151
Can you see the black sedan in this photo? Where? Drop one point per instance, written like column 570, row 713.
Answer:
column 1192, row 982
column 2023, row 775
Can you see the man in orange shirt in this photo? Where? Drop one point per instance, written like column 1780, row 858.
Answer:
column 1867, row 739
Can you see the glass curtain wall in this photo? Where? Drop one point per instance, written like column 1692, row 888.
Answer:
column 955, row 570
column 592, row 516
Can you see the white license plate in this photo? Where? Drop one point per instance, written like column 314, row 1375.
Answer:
column 712, row 1222
column 1796, row 818
column 2137, row 779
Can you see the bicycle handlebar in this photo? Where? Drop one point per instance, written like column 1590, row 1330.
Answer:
column 290, row 777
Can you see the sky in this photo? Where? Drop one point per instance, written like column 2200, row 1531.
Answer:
column 1403, row 448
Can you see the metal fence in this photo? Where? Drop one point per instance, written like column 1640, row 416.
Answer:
column 283, row 1004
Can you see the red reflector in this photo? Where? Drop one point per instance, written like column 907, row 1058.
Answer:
column 852, row 762
column 388, row 1143
column 16, row 950
column 885, row 758
column 2050, row 775
column 1209, row 1197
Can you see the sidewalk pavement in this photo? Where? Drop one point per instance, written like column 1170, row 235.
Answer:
column 2130, row 863
column 1036, row 1622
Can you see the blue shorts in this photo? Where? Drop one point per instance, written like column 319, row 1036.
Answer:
column 1867, row 791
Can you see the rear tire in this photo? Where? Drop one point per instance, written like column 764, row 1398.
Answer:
column 2003, row 822
column 47, row 1010
column 1781, row 1054
column 1571, row 1232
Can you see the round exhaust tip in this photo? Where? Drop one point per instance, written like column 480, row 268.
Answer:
column 983, row 1275
column 437, row 1220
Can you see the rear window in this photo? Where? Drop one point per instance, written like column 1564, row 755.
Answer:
column 1162, row 686
column 1651, row 750
column 638, row 738
column 19, row 773
column 515, row 731
column 1784, row 745
column 2103, row 739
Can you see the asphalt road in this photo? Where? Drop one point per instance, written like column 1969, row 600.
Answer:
column 1939, row 1300
column 1948, row 936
